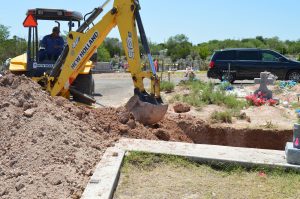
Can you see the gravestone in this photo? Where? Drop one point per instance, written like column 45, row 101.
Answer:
column 264, row 80
column 292, row 149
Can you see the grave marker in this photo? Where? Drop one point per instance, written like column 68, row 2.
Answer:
column 264, row 80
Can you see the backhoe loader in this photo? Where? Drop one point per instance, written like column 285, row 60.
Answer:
column 147, row 108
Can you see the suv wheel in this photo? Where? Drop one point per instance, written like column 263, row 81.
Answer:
column 294, row 76
column 230, row 77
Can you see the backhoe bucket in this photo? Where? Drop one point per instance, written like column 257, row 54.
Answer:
column 144, row 112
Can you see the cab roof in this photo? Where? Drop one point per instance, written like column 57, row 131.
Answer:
column 55, row 14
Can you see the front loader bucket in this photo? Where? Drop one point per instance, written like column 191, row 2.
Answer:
column 144, row 112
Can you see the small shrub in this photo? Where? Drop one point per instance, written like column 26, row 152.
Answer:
column 269, row 125
column 224, row 117
column 226, row 86
column 205, row 93
column 167, row 86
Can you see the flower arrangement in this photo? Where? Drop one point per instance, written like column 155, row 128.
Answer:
column 226, row 86
column 287, row 84
column 260, row 100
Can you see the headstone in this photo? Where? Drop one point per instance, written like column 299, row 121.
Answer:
column 292, row 149
column 264, row 80
column 298, row 96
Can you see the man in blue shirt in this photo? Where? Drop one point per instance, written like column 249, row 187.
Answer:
column 53, row 44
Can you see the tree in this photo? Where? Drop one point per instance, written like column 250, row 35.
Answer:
column 103, row 54
column 203, row 51
column 156, row 48
column 178, row 47
column 10, row 47
column 4, row 33
column 260, row 38
column 114, row 46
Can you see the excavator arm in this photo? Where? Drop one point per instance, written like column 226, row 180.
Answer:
column 147, row 108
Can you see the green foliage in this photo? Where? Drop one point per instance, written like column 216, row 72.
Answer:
column 224, row 85
column 103, row 54
column 202, row 93
column 148, row 161
column 10, row 48
column 203, row 51
column 178, row 47
column 167, row 86
column 223, row 117
column 114, row 46
column 4, row 33
column 284, row 47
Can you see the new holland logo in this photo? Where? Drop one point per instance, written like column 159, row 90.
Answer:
column 85, row 49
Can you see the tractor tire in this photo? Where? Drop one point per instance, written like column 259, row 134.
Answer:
column 85, row 84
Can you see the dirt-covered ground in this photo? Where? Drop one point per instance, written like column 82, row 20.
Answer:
column 276, row 117
column 50, row 146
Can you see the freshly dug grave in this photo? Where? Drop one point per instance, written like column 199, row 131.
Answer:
column 49, row 147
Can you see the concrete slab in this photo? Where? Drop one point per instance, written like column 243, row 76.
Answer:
column 202, row 152
column 104, row 181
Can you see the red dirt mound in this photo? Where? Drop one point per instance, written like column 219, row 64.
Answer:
column 49, row 146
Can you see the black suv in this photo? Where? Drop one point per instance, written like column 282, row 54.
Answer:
column 241, row 64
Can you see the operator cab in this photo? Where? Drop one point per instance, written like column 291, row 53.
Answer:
column 36, row 66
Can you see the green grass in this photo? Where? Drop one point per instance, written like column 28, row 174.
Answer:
column 202, row 93
column 223, row 116
column 295, row 105
column 148, row 161
column 164, row 176
column 167, row 86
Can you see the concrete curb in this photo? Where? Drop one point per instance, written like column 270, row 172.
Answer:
column 104, row 181
column 105, row 178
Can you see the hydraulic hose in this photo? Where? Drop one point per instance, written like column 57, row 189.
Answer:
column 144, row 38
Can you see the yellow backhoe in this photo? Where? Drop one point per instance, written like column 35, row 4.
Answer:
column 60, row 79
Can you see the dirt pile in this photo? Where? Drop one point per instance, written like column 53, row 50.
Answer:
column 49, row 147
column 181, row 108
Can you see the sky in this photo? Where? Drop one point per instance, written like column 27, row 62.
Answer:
column 200, row 20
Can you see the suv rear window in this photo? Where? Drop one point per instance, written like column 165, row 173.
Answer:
column 249, row 55
column 225, row 55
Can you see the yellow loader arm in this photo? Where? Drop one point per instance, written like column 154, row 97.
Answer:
column 147, row 108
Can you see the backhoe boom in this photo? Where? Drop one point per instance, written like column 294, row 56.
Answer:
column 82, row 45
